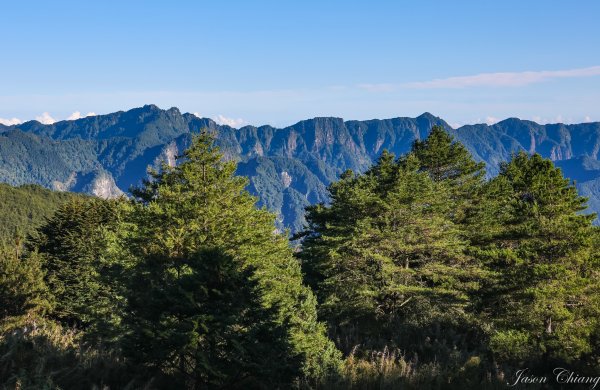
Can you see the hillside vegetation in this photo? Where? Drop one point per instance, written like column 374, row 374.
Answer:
column 23, row 209
column 420, row 273
column 289, row 168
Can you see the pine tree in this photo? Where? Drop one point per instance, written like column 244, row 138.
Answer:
column 445, row 159
column 539, row 246
column 206, row 326
column 24, row 297
column 74, row 246
column 384, row 257
column 448, row 161
column 200, row 207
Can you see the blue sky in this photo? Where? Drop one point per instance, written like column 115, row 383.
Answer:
column 277, row 62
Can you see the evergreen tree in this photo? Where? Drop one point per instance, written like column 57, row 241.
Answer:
column 74, row 245
column 445, row 159
column 385, row 259
column 199, row 207
column 206, row 326
column 448, row 161
column 542, row 300
column 24, row 297
column 26, row 207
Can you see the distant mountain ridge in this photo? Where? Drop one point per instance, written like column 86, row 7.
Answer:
column 288, row 168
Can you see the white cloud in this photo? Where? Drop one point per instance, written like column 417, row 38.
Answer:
column 556, row 119
column 222, row 120
column 490, row 120
column 10, row 122
column 505, row 79
column 587, row 119
column 45, row 118
column 74, row 116
column 77, row 115
column 197, row 114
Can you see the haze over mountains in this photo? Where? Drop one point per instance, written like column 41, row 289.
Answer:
column 288, row 168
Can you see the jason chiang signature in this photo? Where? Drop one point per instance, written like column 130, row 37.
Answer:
column 560, row 375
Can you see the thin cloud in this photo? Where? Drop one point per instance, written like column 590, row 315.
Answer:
column 505, row 79
column 74, row 116
column 77, row 115
column 45, row 118
column 231, row 122
column 557, row 119
column 490, row 120
column 10, row 122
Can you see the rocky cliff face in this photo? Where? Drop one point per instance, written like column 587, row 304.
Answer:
column 288, row 168
column 103, row 186
column 556, row 141
column 97, row 182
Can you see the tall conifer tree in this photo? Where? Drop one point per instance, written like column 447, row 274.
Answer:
column 74, row 246
column 385, row 258
column 24, row 297
column 450, row 162
column 185, row 216
column 543, row 298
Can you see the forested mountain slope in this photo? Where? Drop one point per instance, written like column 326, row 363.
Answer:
column 23, row 209
column 288, row 168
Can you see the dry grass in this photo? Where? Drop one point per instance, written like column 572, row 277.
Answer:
column 391, row 369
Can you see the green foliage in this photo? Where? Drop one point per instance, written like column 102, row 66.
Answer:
column 446, row 160
column 426, row 277
column 24, row 297
column 387, row 261
column 74, row 154
column 74, row 245
column 541, row 251
column 24, row 208
column 449, row 162
column 206, row 327
column 200, row 207
column 420, row 254
column 512, row 344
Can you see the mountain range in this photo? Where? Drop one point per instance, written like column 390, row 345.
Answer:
column 288, row 168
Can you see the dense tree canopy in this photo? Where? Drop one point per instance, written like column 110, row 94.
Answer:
column 422, row 273
column 542, row 251
column 182, row 216
column 451, row 163
column 23, row 209
column 386, row 258
column 24, row 297
column 420, row 253
column 73, row 244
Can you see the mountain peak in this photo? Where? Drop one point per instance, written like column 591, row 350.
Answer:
column 150, row 107
column 321, row 121
column 516, row 122
column 428, row 115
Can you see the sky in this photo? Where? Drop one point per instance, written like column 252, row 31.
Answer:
column 278, row 62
